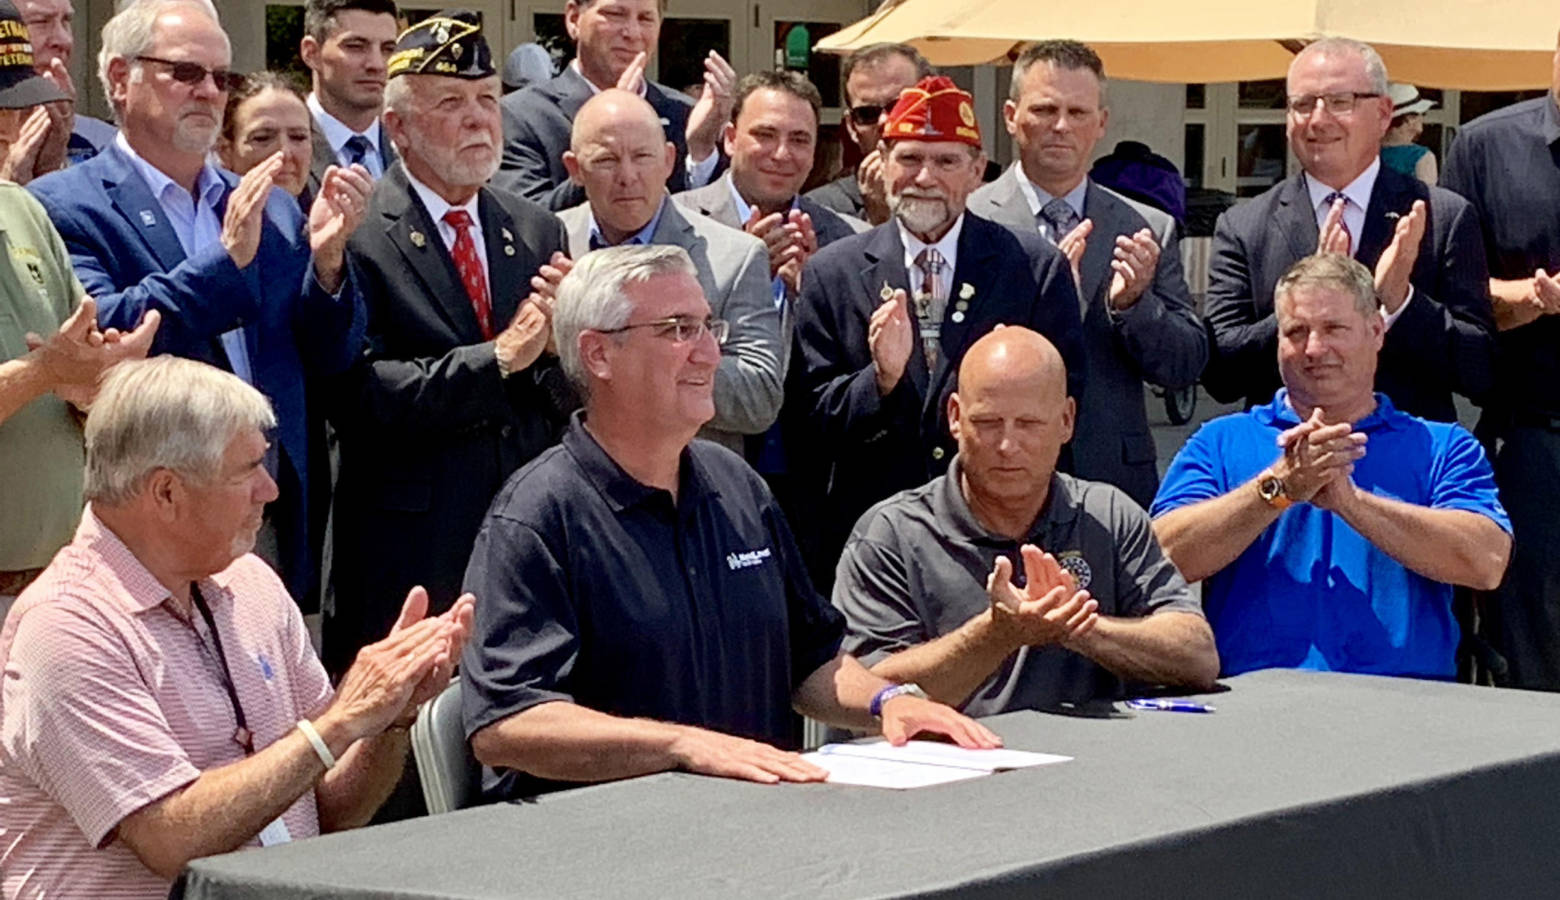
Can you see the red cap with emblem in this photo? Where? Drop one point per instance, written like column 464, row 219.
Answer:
column 934, row 110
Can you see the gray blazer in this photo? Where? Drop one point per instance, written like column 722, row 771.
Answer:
column 733, row 270
column 1159, row 339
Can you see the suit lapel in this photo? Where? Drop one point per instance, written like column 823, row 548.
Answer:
column 1295, row 218
column 885, row 272
column 1390, row 199
column 509, row 262
column 412, row 231
column 972, row 274
column 570, row 90
column 131, row 195
column 1094, row 271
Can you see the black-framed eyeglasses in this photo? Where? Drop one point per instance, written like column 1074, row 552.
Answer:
column 194, row 73
column 866, row 114
column 1339, row 104
column 680, row 328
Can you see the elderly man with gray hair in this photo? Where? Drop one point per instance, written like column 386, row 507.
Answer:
column 644, row 605
column 161, row 700
column 1330, row 526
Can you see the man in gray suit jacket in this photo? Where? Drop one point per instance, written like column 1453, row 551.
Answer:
column 1138, row 319
column 620, row 156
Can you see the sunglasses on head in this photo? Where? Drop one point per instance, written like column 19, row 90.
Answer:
column 866, row 114
column 195, row 73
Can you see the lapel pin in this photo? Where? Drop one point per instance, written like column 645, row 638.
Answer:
column 966, row 291
column 961, row 306
column 887, row 293
column 506, row 234
column 509, row 250
column 418, row 240
column 958, row 316
column 1393, row 215
column 147, row 218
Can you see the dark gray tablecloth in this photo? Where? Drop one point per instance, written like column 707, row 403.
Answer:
column 1300, row 785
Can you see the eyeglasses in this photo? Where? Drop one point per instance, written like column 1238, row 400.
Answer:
column 194, row 73
column 1339, row 104
column 866, row 114
column 680, row 328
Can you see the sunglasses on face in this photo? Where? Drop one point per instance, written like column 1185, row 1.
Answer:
column 194, row 73
column 866, row 114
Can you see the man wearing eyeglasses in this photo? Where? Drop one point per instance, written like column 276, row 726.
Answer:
column 241, row 280
column 644, row 607
column 620, row 155
column 1423, row 243
column 458, row 388
column 871, row 79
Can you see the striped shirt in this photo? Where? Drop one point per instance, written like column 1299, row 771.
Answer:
column 112, row 699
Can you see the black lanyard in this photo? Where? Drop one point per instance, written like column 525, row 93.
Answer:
column 241, row 735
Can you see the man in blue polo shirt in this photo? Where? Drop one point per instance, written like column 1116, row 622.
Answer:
column 1330, row 527
column 644, row 606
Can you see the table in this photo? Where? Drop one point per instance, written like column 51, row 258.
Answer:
column 1302, row 784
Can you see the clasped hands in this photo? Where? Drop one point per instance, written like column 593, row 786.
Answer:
column 1317, row 461
column 789, row 238
column 1048, row 609
column 1134, row 261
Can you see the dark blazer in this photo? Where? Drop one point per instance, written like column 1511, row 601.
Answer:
column 129, row 259
column 537, row 122
column 843, row 195
column 1443, row 342
column 1158, row 339
column 428, row 428
column 879, row 445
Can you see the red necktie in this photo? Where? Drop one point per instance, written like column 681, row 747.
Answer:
column 469, row 265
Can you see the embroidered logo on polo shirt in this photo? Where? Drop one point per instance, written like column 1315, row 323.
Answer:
column 1073, row 563
column 747, row 559
column 267, row 671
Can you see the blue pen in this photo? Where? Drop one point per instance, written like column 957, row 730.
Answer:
column 1165, row 704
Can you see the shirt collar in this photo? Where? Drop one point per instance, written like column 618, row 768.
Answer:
column 1358, row 191
column 1281, row 414
column 1061, row 506
column 437, row 206
column 1037, row 197
column 947, row 245
column 642, row 236
column 644, row 83
column 140, row 589
column 336, row 131
column 621, row 489
column 745, row 211
column 208, row 184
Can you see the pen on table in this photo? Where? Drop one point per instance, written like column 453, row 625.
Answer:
column 1164, row 704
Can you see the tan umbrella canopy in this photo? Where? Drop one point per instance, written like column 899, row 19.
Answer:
column 1468, row 44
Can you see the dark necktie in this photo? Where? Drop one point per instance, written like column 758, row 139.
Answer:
column 930, row 303
column 357, row 148
column 1057, row 219
column 1343, row 223
column 469, row 265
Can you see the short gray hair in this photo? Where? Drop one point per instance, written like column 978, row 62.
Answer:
column 133, row 30
column 1334, row 271
column 165, row 413
column 1375, row 68
column 592, row 296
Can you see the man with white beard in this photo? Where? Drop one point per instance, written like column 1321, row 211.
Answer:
column 459, row 386
column 886, row 315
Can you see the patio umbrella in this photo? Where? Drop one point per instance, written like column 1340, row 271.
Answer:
column 1468, row 44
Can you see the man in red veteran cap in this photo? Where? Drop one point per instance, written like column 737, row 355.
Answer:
column 885, row 316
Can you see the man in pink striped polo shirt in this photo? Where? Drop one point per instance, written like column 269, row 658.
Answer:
column 160, row 698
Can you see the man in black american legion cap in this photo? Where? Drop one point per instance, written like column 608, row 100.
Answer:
column 458, row 388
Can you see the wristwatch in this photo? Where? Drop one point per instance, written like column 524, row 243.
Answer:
column 889, row 693
column 1271, row 489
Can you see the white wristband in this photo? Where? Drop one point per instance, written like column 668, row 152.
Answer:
column 326, row 757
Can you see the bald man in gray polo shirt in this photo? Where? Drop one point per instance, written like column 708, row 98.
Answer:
column 927, row 580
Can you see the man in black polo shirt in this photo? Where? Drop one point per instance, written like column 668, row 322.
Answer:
column 644, row 606
column 1507, row 164
column 1100, row 603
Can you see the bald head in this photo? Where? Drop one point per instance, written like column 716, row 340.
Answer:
column 614, row 110
column 1014, row 358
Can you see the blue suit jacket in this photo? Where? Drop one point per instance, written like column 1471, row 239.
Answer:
column 876, row 446
column 129, row 259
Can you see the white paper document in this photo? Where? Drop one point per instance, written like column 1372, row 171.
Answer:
column 917, row 763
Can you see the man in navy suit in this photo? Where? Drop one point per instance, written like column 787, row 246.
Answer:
column 1424, row 244
column 240, row 280
column 613, row 43
column 885, row 316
